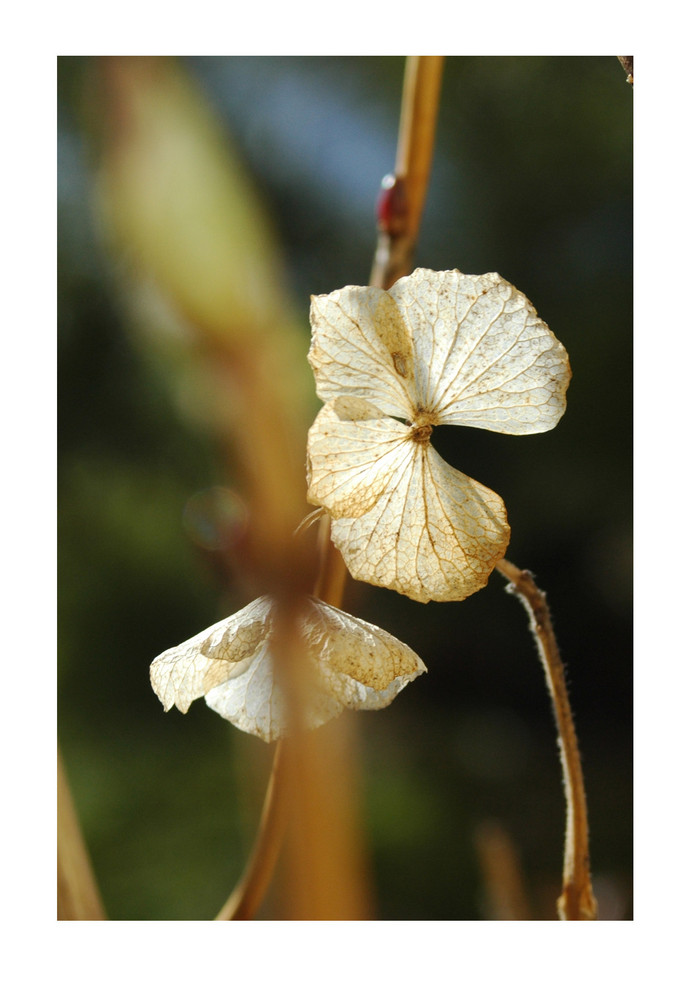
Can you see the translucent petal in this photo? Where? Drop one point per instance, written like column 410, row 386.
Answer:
column 352, row 665
column 434, row 534
column 353, row 451
column 362, row 664
column 256, row 703
column 224, row 650
column 361, row 347
column 482, row 356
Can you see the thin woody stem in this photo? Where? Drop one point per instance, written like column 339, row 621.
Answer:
column 577, row 900
column 418, row 117
column 250, row 890
column 407, row 187
column 393, row 258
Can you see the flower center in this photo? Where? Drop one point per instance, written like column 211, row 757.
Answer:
column 421, row 434
column 420, row 430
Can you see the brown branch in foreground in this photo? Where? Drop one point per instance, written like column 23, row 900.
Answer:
column 393, row 258
column 577, row 900
column 78, row 895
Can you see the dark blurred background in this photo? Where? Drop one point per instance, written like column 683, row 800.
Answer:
column 532, row 178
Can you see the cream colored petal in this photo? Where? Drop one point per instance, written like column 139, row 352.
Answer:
column 361, row 347
column 352, row 453
column 350, row 663
column 435, row 534
column 363, row 665
column 189, row 670
column 483, row 358
column 256, row 703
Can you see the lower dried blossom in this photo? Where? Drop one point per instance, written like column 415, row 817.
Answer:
column 350, row 664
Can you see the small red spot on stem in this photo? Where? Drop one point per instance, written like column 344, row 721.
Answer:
column 391, row 207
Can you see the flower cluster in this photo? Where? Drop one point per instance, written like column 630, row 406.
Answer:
column 437, row 348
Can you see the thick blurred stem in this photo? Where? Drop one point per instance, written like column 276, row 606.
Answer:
column 247, row 896
column 78, row 895
column 577, row 900
column 393, row 259
column 503, row 879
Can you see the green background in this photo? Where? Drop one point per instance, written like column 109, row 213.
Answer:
column 532, row 178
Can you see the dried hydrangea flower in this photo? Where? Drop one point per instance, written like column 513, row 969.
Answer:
column 436, row 348
column 352, row 664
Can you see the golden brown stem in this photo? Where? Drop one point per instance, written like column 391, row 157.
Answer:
column 393, row 258
column 418, row 116
column 78, row 895
column 577, row 900
column 330, row 583
column 504, row 884
column 250, row 890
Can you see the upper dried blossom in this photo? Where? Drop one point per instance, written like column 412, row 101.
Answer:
column 436, row 348
column 349, row 664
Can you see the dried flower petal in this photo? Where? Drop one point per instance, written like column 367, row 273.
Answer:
column 361, row 347
column 403, row 518
column 353, row 452
column 437, row 348
column 353, row 665
column 483, row 358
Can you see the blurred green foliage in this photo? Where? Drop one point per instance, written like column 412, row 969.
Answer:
column 532, row 178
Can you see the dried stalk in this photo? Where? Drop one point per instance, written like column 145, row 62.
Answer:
column 577, row 900
column 404, row 194
column 250, row 890
column 78, row 895
column 393, row 258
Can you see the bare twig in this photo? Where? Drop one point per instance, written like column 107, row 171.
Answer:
column 78, row 895
column 404, row 191
column 250, row 890
column 577, row 900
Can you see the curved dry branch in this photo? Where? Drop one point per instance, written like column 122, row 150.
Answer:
column 577, row 900
column 404, row 191
column 251, row 889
